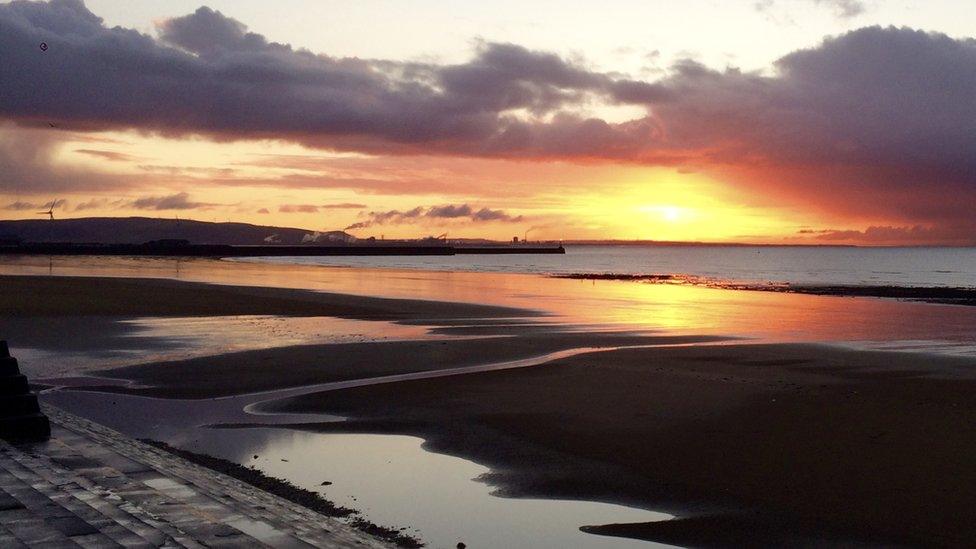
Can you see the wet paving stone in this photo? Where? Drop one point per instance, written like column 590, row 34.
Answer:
column 89, row 486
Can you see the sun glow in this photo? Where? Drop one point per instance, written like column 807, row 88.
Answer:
column 664, row 205
column 671, row 214
column 253, row 181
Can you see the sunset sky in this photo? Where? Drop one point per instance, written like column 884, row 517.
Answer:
column 774, row 121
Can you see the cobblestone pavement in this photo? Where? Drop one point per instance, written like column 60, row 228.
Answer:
column 89, row 486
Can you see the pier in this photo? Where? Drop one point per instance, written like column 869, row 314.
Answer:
column 222, row 250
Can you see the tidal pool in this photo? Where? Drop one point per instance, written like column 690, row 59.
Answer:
column 392, row 479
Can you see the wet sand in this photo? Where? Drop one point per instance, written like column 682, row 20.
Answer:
column 56, row 296
column 301, row 365
column 829, row 442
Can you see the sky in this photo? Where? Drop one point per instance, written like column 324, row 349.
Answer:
column 769, row 121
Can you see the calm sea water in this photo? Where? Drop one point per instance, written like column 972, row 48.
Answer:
column 950, row 267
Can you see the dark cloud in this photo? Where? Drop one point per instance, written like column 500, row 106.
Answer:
column 866, row 98
column 207, row 75
column 889, row 235
column 178, row 201
column 263, row 211
column 449, row 211
column 486, row 214
column 442, row 212
column 28, row 162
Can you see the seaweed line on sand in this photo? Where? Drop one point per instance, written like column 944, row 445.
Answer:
column 948, row 295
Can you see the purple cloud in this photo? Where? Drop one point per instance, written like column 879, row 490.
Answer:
column 20, row 206
column 443, row 212
column 178, row 201
column 298, row 208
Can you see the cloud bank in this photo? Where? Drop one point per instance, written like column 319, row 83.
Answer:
column 877, row 121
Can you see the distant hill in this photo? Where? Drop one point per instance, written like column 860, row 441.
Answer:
column 137, row 230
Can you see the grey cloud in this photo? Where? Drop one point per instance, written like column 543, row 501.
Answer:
column 486, row 214
column 845, row 8
column 207, row 74
column 879, row 119
column 95, row 203
column 178, row 201
column 446, row 212
column 954, row 234
column 27, row 163
column 19, row 206
column 449, row 211
column 208, row 32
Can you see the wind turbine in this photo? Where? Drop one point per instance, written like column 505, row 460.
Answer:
column 50, row 211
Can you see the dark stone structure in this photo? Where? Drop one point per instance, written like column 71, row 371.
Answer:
column 20, row 416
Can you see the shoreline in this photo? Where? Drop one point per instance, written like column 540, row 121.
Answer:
column 835, row 440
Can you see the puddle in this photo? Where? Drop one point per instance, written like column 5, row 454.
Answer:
column 395, row 482
column 390, row 478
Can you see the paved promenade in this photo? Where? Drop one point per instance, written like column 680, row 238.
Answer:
column 90, row 486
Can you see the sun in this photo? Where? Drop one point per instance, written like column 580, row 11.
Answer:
column 671, row 214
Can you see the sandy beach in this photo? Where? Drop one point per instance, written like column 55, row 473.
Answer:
column 835, row 442
column 767, row 442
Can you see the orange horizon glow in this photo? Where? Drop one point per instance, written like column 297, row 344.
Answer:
column 281, row 184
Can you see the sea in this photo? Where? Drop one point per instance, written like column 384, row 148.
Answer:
column 800, row 265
